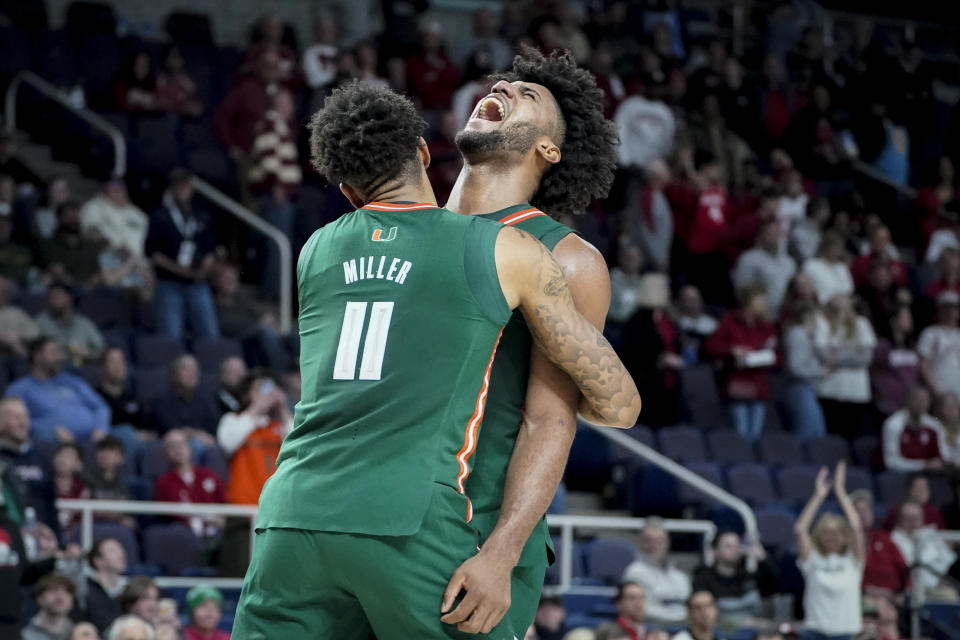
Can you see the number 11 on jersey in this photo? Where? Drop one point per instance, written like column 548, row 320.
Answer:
column 371, row 364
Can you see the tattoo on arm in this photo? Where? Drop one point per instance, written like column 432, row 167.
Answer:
column 577, row 347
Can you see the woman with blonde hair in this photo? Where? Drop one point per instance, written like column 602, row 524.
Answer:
column 831, row 559
column 845, row 342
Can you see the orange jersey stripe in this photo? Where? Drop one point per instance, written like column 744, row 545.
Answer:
column 388, row 206
column 473, row 426
column 514, row 218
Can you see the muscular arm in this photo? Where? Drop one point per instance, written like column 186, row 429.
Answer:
column 550, row 423
column 532, row 280
column 550, row 415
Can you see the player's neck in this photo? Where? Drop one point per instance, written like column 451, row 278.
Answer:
column 486, row 187
column 419, row 192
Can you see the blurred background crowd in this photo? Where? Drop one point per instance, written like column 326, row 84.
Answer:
column 785, row 265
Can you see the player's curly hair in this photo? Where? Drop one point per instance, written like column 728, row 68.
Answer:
column 586, row 139
column 365, row 136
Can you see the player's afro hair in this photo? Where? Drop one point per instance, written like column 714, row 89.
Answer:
column 364, row 136
column 587, row 140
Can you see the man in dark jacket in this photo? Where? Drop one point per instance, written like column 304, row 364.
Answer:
column 105, row 582
column 738, row 591
column 26, row 462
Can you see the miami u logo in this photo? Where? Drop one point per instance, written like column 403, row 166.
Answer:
column 378, row 235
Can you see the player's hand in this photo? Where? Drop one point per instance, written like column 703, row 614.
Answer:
column 486, row 580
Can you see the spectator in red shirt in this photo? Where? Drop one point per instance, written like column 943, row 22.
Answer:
column 431, row 75
column 185, row 482
column 268, row 34
column 746, row 344
column 707, row 266
column 176, row 90
column 881, row 248
column 136, row 86
column 917, row 492
column 885, row 571
column 67, row 465
column 912, row 438
column 245, row 104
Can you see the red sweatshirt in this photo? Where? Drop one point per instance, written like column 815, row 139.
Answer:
column 885, row 567
column 206, row 486
column 709, row 222
column 743, row 383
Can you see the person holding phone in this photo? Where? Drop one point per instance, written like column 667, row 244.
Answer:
column 252, row 435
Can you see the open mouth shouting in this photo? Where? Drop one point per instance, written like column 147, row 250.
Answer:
column 491, row 108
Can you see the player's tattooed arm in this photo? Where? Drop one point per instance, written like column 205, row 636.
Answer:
column 533, row 281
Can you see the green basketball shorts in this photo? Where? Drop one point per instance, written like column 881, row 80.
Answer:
column 308, row 585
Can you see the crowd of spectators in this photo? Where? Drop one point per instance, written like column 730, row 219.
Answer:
column 743, row 240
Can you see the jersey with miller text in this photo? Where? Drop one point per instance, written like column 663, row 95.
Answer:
column 508, row 390
column 401, row 313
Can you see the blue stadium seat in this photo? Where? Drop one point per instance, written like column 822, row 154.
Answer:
column 105, row 308
column 708, row 470
column 751, row 482
column 156, row 149
column 172, row 546
column 153, row 462
column 607, row 558
column 776, row 528
column 727, row 447
column 151, row 383
column 890, row 485
column 589, row 463
column 796, row 483
column 699, row 384
column 682, row 444
column 210, row 353
column 651, row 490
column 780, row 448
column 827, row 451
column 866, row 450
column 213, row 459
column 858, row 478
column 155, row 350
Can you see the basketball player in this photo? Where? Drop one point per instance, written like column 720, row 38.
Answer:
column 402, row 305
column 540, row 137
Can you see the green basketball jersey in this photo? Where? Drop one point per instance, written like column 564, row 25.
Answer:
column 401, row 311
column 508, row 390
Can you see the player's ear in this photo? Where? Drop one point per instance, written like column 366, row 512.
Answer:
column 424, row 152
column 352, row 195
column 547, row 150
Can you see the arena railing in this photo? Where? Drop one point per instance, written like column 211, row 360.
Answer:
column 684, row 475
column 248, row 217
column 51, row 92
column 917, row 597
column 566, row 523
column 202, row 187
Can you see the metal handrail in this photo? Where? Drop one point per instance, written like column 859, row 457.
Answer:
column 233, row 207
column 55, row 94
column 88, row 507
column 567, row 523
column 917, row 596
column 690, row 478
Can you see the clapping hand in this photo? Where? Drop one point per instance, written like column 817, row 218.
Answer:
column 840, row 479
column 822, row 485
